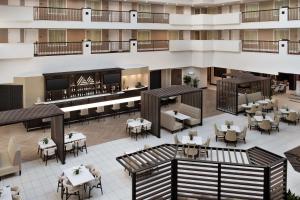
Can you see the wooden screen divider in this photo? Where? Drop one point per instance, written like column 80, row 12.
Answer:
column 58, row 136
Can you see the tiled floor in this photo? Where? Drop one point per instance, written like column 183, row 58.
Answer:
column 38, row 182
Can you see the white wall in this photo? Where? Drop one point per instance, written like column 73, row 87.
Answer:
column 31, row 35
column 13, row 51
column 16, row 14
column 14, row 36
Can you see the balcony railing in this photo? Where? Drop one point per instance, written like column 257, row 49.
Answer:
column 294, row 13
column 110, row 46
column 145, row 17
column 110, row 16
column 153, row 45
column 260, row 16
column 260, row 46
column 57, row 48
column 294, row 48
column 57, row 14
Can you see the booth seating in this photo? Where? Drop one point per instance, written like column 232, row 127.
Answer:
column 242, row 99
column 10, row 160
column 193, row 112
column 253, row 97
column 169, row 122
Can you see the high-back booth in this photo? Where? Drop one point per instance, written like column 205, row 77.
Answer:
column 151, row 102
column 239, row 89
column 40, row 112
column 162, row 172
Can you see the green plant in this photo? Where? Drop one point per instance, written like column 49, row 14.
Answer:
column 195, row 82
column 45, row 140
column 70, row 135
column 292, row 196
column 187, row 79
column 76, row 171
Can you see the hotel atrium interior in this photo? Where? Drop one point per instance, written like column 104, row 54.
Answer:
column 150, row 99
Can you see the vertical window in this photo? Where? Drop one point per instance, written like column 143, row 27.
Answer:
column 250, row 35
column 281, row 34
column 56, row 4
column 95, row 35
column 173, row 35
column 57, row 35
column 144, row 35
column 94, row 4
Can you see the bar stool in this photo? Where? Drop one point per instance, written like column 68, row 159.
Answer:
column 116, row 108
column 84, row 114
column 130, row 105
column 67, row 117
column 99, row 111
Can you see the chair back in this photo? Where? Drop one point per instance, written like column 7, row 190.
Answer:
column 69, row 146
column 292, row 116
column 50, row 151
column 84, row 112
column 230, row 136
column 265, row 125
column 116, row 106
column 100, row 109
column 137, row 129
column 148, row 126
column 81, row 143
column 253, row 109
column 244, row 132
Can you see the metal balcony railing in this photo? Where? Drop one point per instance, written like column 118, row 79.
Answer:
column 260, row 46
column 110, row 46
column 294, row 13
column 153, row 45
column 57, row 14
column 110, row 16
column 294, row 48
column 57, row 48
column 145, row 17
column 260, row 16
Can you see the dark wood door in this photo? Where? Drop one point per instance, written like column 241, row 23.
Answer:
column 155, row 79
column 176, row 77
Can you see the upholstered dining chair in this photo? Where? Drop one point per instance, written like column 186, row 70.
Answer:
column 15, row 190
column 204, row 151
column 70, row 148
column 252, row 110
column 219, row 135
column 136, row 131
column 275, row 124
column 127, row 127
column 80, row 145
column 70, row 190
column 251, row 122
column 96, row 183
column 49, row 153
column 292, row 117
column 60, row 180
column 242, row 136
column 17, row 197
column 230, row 137
column 265, row 126
column 268, row 107
column 191, row 151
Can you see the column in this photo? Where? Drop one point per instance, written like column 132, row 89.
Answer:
column 133, row 16
column 86, row 15
column 87, row 47
column 133, row 46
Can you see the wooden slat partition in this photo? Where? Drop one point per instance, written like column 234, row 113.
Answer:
column 58, row 135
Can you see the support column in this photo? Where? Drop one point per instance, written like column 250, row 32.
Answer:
column 133, row 46
column 87, row 47
column 283, row 14
column 283, row 47
column 86, row 15
column 133, row 16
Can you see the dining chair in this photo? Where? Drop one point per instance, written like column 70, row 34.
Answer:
column 96, row 183
column 130, row 106
column 67, row 118
column 275, row 124
column 50, row 153
column 70, row 190
column 15, row 190
column 268, row 107
column 116, row 109
column 60, row 180
column 265, row 126
column 204, row 148
column 136, row 131
column 17, row 197
column 230, row 137
column 127, row 127
column 242, row 135
column 100, row 111
column 191, row 151
column 252, row 110
column 70, row 148
column 91, row 168
column 251, row 122
column 84, row 114
column 219, row 135
column 292, row 117
column 81, row 145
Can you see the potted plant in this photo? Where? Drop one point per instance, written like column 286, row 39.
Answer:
column 45, row 140
column 187, row 79
column 142, row 120
column 228, row 123
column 195, row 82
column 70, row 135
column 292, row 196
column 76, row 171
column 175, row 112
column 191, row 136
column 264, row 115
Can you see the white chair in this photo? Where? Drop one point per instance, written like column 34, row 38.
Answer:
column 15, row 190
column 69, row 190
column 136, row 131
column 242, row 136
column 81, row 145
column 116, row 108
column 127, row 122
column 147, row 128
column 49, row 153
column 70, row 148
column 84, row 114
column 100, row 111
column 96, row 183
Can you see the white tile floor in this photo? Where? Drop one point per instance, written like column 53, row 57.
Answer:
column 38, row 182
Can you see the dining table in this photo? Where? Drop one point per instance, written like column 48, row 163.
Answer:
column 187, row 140
column 75, row 137
column 263, row 101
column 261, row 118
column 285, row 111
column 224, row 128
column 138, row 123
column 5, row 193
column 179, row 116
column 249, row 105
column 44, row 145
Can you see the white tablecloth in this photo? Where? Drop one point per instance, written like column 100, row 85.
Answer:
column 83, row 177
column 223, row 128
column 249, row 105
column 260, row 118
column 75, row 137
column 266, row 101
column 178, row 116
column 137, row 123
column 196, row 140
column 5, row 193
column 50, row 144
column 284, row 111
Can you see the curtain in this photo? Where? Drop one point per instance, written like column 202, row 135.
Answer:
column 144, row 35
column 57, row 35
